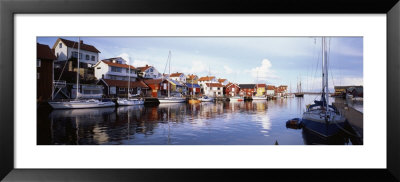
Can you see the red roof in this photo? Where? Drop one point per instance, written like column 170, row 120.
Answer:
column 207, row 78
column 175, row 74
column 232, row 84
column 270, row 87
column 118, row 65
column 214, row 85
column 143, row 69
column 152, row 81
column 74, row 44
column 221, row 80
column 124, row 84
column 44, row 52
column 261, row 85
column 192, row 76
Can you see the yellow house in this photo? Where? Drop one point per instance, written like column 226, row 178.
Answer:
column 260, row 89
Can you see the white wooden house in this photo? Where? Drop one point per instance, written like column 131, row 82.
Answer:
column 66, row 49
column 149, row 72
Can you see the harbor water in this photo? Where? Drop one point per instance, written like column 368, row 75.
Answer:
column 208, row 123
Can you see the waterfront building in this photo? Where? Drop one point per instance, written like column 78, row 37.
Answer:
column 148, row 72
column 207, row 79
column 119, row 88
column 114, row 73
column 247, row 89
column 44, row 67
column 192, row 79
column 192, row 84
column 356, row 91
column 193, row 88
column 261, row 89
column 270, row 90
column 232, row 89
column 213, row 89
column 180, row 77
column 176, row 88
column 155, row 86
column 66, row 52
column 340, row 90
column 115, row 70
column 281, row 90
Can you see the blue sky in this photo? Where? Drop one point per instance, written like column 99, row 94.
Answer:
column 271, row 60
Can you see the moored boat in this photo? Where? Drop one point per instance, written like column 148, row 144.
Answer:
column 236, row 98
column 207, row 99
column 129, row 102
column 80, row 104
column 259, row 98
column 321, row 118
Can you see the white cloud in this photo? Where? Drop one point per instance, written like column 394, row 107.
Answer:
column 126, row 57
column 263, row 72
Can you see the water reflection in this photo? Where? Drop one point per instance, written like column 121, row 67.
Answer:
column 221, row 123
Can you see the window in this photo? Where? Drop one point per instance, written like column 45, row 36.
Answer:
column 38, row 75
column 87, row 57
column 116, row 69
column 80, row 55
column 60, row 45
column 151, row 69
column 74, row 54
column 121, row 89
column 93, row 58
column 98, row 68
column 38, row 63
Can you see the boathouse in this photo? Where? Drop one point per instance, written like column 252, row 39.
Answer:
column 232, row 89
column 247, row 89
column 44, row 74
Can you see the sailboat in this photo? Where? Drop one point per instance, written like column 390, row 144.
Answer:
column 170, row 99
column 299, row 92
column 129, row 101
column 320, row 117
column 79, row 104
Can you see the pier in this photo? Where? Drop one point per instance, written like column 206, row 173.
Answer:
column 354, row 117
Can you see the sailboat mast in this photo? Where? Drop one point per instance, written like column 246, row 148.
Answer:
column 324, row 73
column 129, row 77
column 169, row 70
column 77, row 71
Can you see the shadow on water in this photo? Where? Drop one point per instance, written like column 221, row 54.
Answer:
column 220, row 123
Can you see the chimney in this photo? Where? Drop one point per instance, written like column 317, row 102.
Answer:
column 81, row 42
column 147, row 65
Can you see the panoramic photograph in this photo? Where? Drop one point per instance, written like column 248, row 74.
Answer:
column 199, row 90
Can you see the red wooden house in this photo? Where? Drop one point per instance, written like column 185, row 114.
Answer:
column 232, row 89
column 44, row 67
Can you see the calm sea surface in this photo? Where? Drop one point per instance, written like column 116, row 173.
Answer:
column 221, row 123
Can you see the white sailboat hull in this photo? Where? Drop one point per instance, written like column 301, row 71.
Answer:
column 207, row 100
column 80, row 104
column 259, row 98
column 171, row 100
column 130, row 102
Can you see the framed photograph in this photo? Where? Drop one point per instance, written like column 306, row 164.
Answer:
column 151, row 90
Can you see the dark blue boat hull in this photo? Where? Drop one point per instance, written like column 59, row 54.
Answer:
column 322, row 129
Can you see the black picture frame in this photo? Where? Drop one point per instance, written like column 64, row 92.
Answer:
column 8, row 8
